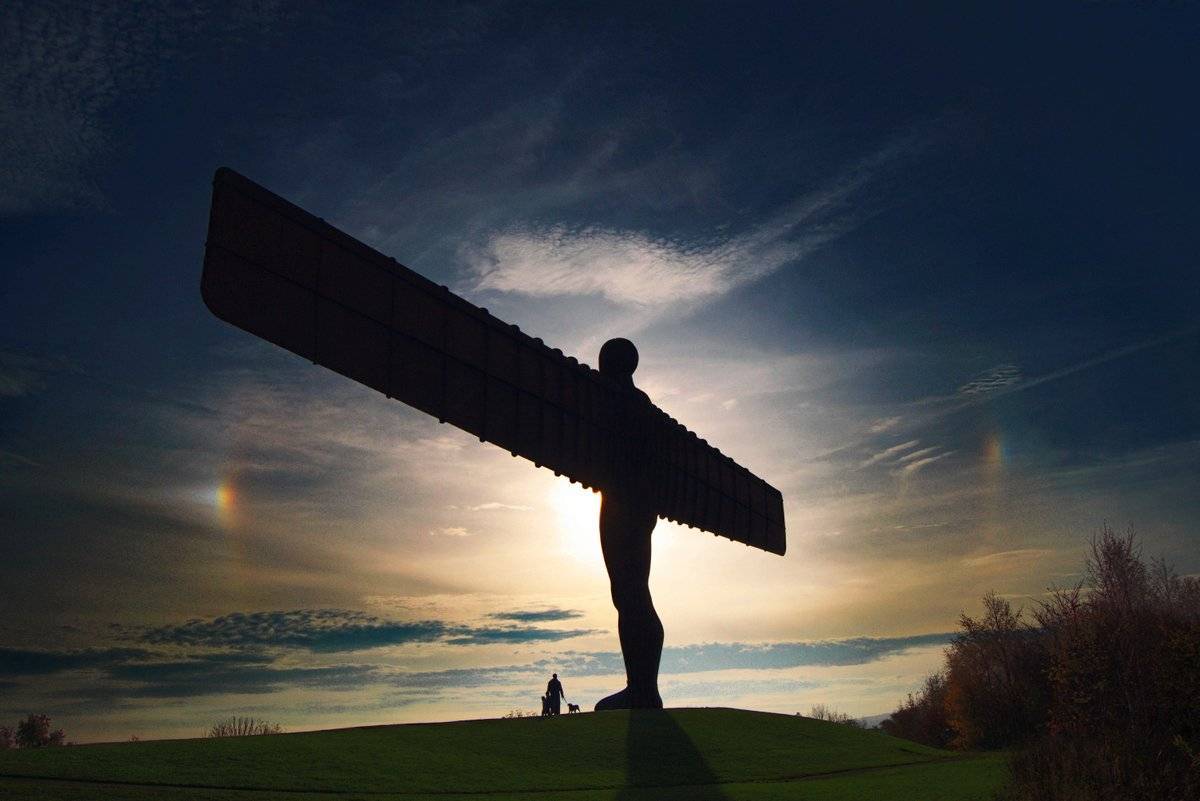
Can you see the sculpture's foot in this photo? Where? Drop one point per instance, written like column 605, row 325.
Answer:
column 627, row 699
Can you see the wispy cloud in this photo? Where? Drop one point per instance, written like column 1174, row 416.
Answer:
column 1009, row 559
column 889, row 453
column 337, row 630
column 910, row 457
column 912, row 467
column 884, row 424
column 30, row 662
column 497, row 506
column 66, row 67
column 1004, row 375
column 636, row 269
column 450, row 531
column 536, row 615
column 25, row 373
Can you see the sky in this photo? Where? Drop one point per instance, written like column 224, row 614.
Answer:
column 928, row 270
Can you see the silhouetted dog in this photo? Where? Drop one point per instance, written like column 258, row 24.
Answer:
column 572, row 708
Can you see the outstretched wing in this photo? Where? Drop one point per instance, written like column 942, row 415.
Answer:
column 282, row 274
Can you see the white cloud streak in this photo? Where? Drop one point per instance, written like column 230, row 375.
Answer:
column 450, row 531
column 912, row 467
column 492, row 506
column 999, row 377
column 889, row 453
column 637, row 270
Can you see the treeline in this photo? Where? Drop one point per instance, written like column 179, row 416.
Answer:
column 1097, row 692
column 32, row 732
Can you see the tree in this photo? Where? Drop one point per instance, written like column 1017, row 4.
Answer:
column 922, row 718
column 243, row 727
column 6, row 738
column 34, row 732
column 828, row 713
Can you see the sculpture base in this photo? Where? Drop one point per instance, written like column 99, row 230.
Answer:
column 627, row 699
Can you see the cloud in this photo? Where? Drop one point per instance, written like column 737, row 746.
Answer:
column 129, row 674
column 884, row 424
column 536, row 616
column 906, row 460
column 25, row 374
column 888, row 453
column 450, row 531
column 912, row 467
column 636, row 269
column 11, row 458
column 726, row 656
column 755, row 656
column 1005, row 375
column 497, row 506
column 909, row 457
column 66, row 67
column 338, row 630
column 23, row 662
column 216, row 676
column 515, row 634
column 311, row 629
column 1013, row 558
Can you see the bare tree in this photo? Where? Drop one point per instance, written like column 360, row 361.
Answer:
column 243, row 727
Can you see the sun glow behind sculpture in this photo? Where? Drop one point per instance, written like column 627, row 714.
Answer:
column 577, row 514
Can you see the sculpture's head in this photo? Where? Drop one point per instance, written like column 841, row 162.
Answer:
column 618, row 359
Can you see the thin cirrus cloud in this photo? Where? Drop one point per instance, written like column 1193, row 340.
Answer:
column 999, row 377
column 118, row 675
column 67, row 66
column 338, row 630
column 904, row 460
column 889, row 453
column 635, row 269
column 496, row 506
column 912, row 467
column 536, row 615
column 450, row 531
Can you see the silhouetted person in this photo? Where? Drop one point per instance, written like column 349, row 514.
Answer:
column 627, row 518
column 555, row 694
column 546, row 705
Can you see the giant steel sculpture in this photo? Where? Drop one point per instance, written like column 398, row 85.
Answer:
column 288, row 277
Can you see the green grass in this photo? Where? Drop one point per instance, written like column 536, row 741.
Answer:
column 677, row 754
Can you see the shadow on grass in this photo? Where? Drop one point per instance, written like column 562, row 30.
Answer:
column 658, row 753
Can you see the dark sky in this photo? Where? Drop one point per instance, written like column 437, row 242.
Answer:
column 929, row 269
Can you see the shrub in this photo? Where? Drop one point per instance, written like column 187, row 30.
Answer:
column 1101, row 693
column 243, row 727
column 34, row 732
column 922, row 718
column 822, row 712
column 6, row 738
column 996, row 691
column 1123, row 719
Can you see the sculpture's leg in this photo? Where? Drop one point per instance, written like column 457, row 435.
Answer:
column 625, row 529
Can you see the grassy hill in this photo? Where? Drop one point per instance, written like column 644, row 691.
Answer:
column 673, row 755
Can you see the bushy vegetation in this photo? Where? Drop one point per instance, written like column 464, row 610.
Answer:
column 517, row 713
column 822, row 712
column 243, row 727
column 1099, row 692
column 32, row 732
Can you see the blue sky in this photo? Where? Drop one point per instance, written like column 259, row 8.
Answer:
column 928, row 271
